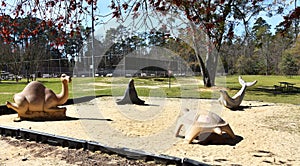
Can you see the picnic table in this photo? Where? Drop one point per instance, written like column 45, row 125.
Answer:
column 285, row 86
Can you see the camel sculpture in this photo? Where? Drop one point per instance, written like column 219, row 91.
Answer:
column 195, row 124
column 235, row 101
column 130, row 96
column 38, row 102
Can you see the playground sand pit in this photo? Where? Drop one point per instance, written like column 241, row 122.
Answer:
column 267, row 133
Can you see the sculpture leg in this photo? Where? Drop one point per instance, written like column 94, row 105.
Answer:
column 192, row 133
column 177, row 129
column 55, row 109
column 13, row 106
column 228, row 130
column 19, row 108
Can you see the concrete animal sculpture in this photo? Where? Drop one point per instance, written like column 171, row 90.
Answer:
column 38, row 102
column 235, row 101
column 130, row 96
column 195, row 124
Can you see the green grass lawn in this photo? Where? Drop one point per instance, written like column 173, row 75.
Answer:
column 187, row 87
column 264, row 89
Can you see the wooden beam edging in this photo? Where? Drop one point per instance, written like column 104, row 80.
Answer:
column 73, row 143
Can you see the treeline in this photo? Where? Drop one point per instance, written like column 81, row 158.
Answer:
column 263, row 52
column 260, row 51
column 34, row 46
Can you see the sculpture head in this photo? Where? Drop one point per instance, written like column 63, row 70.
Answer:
column 131, row 83
column 66, row 78
column 223, row 92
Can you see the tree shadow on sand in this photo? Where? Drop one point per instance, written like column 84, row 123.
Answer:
column 89, row 98
column 67, row 118
column 242, row 108
column 82, row 99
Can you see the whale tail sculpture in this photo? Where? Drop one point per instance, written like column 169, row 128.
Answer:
column 130, row 96
column 235, row 101
column 195, row 124
column 247, row 84
column 38, row 102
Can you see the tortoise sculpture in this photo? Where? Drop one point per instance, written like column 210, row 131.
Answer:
column 235, row 101
column 130, row 96
column 38, row 102
column 195, row 124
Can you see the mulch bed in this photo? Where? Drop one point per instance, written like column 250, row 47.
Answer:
column 72, row 156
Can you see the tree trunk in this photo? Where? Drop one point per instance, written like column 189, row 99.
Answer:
column 204, row 71
column 208, row 68
column 211, row 62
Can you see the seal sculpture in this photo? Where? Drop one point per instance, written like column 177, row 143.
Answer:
column 235, row 101
column 196, row 124
column 38, row 102
column 130, row 96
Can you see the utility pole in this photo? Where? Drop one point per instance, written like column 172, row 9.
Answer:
column 93, row 36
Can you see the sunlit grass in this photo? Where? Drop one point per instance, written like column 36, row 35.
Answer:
column 184, row 87
column 264, row 89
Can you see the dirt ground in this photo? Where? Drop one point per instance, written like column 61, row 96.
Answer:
column 21, row 152
column 266, row 133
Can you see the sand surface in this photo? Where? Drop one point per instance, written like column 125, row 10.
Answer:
column 267, row 133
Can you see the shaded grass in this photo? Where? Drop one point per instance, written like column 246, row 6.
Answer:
column 159, row 87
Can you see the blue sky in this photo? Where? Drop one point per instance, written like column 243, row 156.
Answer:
column 104, row 9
